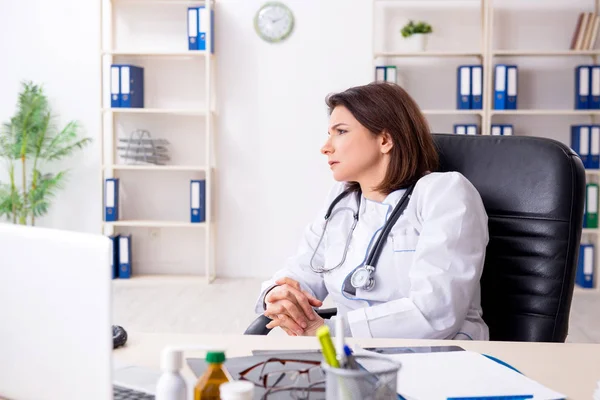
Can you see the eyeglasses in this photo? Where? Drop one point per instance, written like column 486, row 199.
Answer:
column 299, row 378
column 314, row 391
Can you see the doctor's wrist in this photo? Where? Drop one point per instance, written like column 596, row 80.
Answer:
column 311, row 329
column 265, row 296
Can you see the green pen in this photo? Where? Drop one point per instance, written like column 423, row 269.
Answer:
column 327, row 346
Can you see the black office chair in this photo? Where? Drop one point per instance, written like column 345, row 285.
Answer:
column 533, row 190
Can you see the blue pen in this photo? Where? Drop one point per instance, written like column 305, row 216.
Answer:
column 350, row 361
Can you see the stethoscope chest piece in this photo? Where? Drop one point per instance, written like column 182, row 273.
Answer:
column 362, row 278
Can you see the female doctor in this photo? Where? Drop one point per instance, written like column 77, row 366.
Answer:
column 424, row 282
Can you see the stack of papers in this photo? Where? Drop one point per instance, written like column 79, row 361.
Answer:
column 460, row 375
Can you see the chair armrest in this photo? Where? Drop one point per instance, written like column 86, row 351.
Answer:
column 327, row 313
column 259, row 325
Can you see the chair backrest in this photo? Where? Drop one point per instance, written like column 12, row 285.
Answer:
column 533, row 190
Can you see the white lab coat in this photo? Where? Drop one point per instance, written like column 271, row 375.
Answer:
column 427, row 277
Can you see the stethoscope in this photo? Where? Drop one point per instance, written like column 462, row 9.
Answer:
column 363, row 277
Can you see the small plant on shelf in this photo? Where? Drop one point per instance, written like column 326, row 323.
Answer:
column 412, row 28
column 415, row 35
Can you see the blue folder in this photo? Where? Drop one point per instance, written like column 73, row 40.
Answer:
column 460, row 129
column 192, row 26
column 115, row 86
column 580, row 143
column 198, row 201
column 594, row 156
column 511, row 87
column 594, row 99
column 380, row 72
column 203, row 26
column 463, row 87
column 476, row 87
column 582, row 87
column 125, row 257
column 111, row 199
column 132, row 86
column 585, row 266
column 500, row 86
column 114, row 261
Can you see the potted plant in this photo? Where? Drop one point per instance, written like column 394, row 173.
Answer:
column 415, row 34
column 28, row 141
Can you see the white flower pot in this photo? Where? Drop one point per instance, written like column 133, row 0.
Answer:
column 416, row 42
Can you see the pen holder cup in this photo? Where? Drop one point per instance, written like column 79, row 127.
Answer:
column 375, row 380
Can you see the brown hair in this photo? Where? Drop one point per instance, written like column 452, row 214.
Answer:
column 386, row 107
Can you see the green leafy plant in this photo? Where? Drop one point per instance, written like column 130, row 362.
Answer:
column 411, row 28
column 28, row 142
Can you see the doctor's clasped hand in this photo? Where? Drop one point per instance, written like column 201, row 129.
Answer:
column 291, row 308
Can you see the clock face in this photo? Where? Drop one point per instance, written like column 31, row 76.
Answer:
column 274, row 22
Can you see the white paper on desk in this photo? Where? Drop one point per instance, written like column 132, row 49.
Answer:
column 459, row 374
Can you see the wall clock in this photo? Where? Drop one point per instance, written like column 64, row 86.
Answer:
column 274, row 22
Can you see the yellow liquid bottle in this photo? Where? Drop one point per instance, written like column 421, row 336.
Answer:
column 208, row 384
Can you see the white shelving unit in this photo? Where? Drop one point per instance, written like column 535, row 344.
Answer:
column 111, row 53
column 488, row 56
column 176, row 111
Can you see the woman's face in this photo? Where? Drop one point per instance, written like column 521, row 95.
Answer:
column 352, row 151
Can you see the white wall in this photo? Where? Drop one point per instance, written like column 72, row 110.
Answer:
column 63, row 56
column 272, row 121
column 272, row 118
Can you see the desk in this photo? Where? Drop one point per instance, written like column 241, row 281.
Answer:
column 569, row 368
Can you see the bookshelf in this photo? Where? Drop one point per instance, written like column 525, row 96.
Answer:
column 180, row 111
column 156, row 39
column 482, row 28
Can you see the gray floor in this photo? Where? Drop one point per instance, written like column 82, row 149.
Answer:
column 189, row 305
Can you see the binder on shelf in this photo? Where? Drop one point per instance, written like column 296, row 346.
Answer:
column 592, row 44
column 198, row 201
column 111, row 199
column 584, row 276
column 594, row 98
column 582, row 87
column 502, row 130
column 390, row 74
column 511, row 87
column 132, row 86
column 476, row 87
column 125, row 256
column 192, row 25
column 460, row 129
column 587, row 38
column 463, row 87
column 580, row 143
column 500, row 87
column 380, row 73
column 591, row 205
column 578, row 33
column 114, row 261
column 594, row 158
column 582, row 31
column 115, row 86
column 203, row 25
column 386, row 73
column 471, row 129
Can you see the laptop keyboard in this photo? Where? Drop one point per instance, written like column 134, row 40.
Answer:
column 121, row 393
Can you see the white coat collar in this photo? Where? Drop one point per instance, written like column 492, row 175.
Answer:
column 383, row 207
